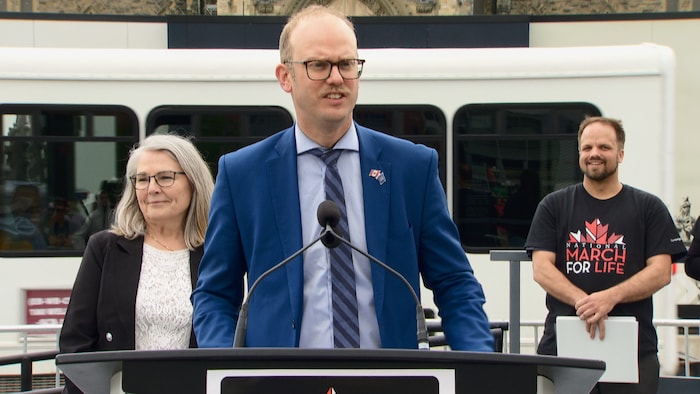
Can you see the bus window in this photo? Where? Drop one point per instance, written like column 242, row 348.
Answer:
column 422, row 124
column 507, row 157
column 55, row 159
column 222, row 129
column 219, row 129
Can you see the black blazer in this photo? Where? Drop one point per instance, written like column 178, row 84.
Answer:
column 692, row 259
column 101, row 311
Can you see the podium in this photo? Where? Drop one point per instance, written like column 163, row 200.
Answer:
column 341, row 371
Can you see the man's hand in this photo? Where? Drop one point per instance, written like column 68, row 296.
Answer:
column 599, row 326
column 593, row 309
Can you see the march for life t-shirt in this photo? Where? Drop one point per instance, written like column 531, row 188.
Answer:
column 600, row 243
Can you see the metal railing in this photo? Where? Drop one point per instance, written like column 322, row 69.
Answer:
column 26, row 362
column 25, row 330
column 686, row 324
column 26, row 359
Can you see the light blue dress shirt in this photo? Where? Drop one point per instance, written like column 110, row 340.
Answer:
column 317, row 318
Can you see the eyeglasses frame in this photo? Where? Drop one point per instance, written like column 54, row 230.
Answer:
column 175, row 173
column 360, row 63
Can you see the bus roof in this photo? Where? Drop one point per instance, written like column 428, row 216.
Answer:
column 382, row 64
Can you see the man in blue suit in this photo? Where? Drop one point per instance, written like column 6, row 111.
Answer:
column 264, row 209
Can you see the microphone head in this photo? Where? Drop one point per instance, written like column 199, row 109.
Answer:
column 328, row 214
column 329, row 240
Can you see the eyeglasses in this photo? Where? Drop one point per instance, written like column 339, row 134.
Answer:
column 319, row 70
column 163, row 179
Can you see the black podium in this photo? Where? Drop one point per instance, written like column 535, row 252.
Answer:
column 341, row 371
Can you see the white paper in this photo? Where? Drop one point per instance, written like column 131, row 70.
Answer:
column 619, row 348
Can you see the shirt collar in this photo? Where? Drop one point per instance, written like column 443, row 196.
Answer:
column 349, row 141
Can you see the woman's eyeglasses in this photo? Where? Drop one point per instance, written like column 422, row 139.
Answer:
column 163, row 179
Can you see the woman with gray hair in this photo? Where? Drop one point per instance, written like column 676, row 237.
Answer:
column 133, row 286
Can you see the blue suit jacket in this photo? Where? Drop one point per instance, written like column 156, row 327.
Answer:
column 255, row 223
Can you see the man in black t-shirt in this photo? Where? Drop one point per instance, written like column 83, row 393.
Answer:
column 600, row 248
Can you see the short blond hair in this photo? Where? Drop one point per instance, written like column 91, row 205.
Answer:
column 295, row 19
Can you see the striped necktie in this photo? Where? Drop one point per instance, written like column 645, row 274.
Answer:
column 346, row 327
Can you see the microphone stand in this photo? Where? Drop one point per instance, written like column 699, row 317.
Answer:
column 242, row 323
column 422, row 330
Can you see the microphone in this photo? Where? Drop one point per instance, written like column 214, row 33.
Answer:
column 329, row 216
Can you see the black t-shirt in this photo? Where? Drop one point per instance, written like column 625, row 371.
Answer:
column 600, row 243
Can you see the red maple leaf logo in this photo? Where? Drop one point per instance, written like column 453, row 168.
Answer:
column 598, row 233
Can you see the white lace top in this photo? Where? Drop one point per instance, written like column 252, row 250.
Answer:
column 163, row 307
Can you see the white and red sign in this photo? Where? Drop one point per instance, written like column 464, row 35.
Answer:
column 45, row 306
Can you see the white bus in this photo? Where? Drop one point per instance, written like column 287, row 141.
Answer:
column 498, row 118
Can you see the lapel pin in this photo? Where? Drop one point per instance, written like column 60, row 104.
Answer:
column 378, row 175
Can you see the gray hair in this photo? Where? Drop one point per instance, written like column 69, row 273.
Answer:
column 128, row 218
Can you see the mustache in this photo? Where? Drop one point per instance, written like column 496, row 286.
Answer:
column 596, row 158
column 343, row 92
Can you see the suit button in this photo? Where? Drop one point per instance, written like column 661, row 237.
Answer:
column 108, row 336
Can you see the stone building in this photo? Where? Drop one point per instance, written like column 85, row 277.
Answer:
column 351, row 7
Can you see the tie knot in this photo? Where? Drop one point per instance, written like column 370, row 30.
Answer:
column 329, row 156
